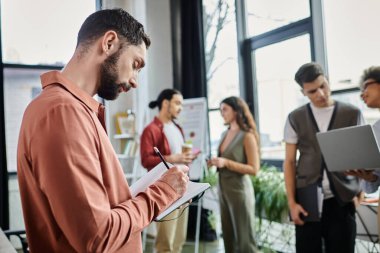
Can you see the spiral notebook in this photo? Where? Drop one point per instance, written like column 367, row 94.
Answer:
column 193, row 189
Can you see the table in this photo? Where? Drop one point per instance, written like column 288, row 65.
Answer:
column 366, row 230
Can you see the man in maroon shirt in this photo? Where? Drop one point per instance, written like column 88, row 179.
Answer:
column 164, row 133
column 73, row 191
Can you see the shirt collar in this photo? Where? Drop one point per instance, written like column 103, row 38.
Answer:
column 56, row 77
column 160, row 125
column 321, row 109
column 158, row 122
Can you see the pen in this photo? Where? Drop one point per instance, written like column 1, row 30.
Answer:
column 161, row 157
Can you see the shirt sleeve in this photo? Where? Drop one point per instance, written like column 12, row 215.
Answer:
column 149, row 159
column 290, row 136
column 370, row 187
column 70, row 177
column 361, row 120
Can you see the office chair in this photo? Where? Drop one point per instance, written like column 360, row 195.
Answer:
column 21, row 235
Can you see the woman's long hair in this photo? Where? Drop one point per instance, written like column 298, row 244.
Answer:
column 244, row 116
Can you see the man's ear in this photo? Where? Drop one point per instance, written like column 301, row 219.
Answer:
column 303, row 92
column 110, row 42
column 165, row 103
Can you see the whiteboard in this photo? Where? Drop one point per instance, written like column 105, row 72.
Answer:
column 193, row 120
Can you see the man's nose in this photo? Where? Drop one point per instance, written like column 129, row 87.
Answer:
column 320, row 92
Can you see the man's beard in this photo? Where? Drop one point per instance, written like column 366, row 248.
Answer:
column 172, row 116
column 109, row 88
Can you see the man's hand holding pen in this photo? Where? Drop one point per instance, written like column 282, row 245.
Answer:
column 177, row 178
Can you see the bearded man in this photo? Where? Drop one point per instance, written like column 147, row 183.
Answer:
column 74, row 194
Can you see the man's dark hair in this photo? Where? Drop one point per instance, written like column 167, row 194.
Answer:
column 371, row 73
column 166, row 94
column 308, row 73
column 117, row 20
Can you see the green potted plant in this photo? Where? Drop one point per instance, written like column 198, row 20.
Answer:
column 211, row 177
column 271, row 202
column 270, row 194
column 272, row 206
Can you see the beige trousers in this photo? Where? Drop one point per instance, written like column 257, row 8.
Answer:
column 171, row 235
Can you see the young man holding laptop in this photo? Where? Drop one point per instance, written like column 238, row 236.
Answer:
column 320, row 202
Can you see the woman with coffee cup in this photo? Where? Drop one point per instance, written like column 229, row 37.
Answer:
column 238, row 158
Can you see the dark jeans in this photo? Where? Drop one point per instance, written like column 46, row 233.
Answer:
column 337, row 228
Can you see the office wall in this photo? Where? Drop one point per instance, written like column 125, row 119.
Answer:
column 158, row 72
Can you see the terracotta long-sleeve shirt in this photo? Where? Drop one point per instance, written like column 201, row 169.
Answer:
column 74, row 194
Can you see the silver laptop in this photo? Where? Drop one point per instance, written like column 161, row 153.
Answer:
column 350, row 148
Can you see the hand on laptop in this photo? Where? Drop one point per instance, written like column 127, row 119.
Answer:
column 367, row 175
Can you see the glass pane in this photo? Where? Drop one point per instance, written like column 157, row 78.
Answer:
column 16, row 220
column 221, row 50
column 370, row 115
column 20, row 86
column 354, row 47
column 41, row 32
column 266, row 15
column 278, row 93
column 216, row 129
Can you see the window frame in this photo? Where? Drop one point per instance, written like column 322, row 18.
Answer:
column 280, row 34
column 241, row 34
column 313, row 25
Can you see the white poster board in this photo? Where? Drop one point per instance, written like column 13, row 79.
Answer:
column 193, row 120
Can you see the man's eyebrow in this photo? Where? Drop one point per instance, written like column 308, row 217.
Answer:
column 314, row 90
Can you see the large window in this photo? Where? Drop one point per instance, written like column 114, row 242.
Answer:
column 20, row 87
column 40, row 31
column 281, row 43
column 351, row 46
column 266, row 15
column 30, row 40
column 36, row 36
column 221, row 59
column 287, row 35
column 278, row 94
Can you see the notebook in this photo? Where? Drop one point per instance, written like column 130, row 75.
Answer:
column 311, row 199
column 350, row 148
column 193, row 189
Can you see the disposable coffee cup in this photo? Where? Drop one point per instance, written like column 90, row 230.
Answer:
column 187, row 148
